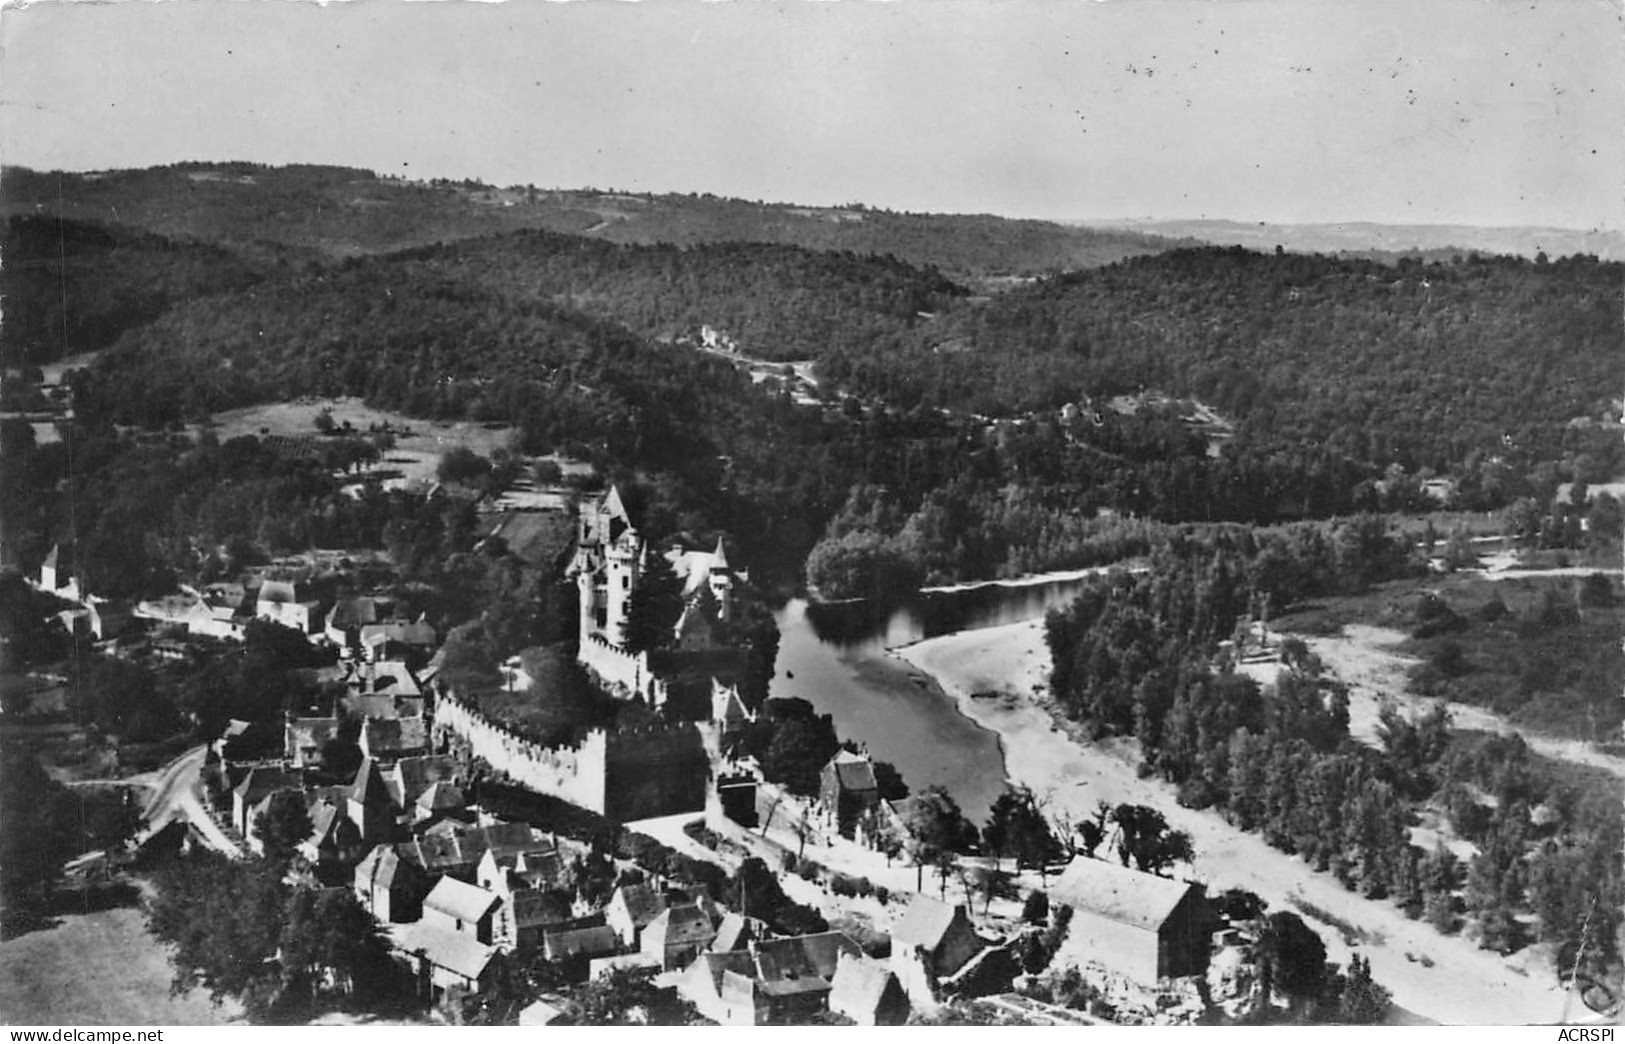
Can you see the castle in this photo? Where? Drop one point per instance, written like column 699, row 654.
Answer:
column 611, row 559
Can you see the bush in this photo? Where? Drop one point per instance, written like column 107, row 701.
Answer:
column 1036, row 909
column 807, row 870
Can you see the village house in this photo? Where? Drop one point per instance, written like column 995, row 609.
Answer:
column 389, row 887
column 252, row 794
column 771, row 982
column 867, row 992
column 1140, row 925
column 933, row 941
column 334, row 840
column 534, row 887
column 391, row 738
column 631, row 909
column 304, row 738
column 282, row 602
column 583, row 944
column 847, row 789
column 437, row 960
column 456, row 906
column 677, row 934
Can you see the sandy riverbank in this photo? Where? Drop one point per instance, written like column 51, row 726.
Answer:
column 1464, row 986
column 1036, row 579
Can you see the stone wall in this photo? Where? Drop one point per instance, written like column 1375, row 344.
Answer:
column 575, row 774
column 658, row 771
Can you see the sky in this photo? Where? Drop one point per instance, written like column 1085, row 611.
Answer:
column 1479, row 112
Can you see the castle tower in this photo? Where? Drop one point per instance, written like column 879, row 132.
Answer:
column 721, row 581
column 621, row 572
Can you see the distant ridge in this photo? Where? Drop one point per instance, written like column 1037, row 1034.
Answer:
column 1371, row 238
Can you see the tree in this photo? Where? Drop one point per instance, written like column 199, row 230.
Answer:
column 1363, row 1002
column 889, row 782
column 629, row 997
column 937, row 831
column 1293, row 955
column 656, row 603
column 1016, row 825
column 461, row 466
column 1144, row 836
column 326, row 932
column 1035, row 909
column 284, row 825
column 224, row 918
column 36, row 837
column 324, row 421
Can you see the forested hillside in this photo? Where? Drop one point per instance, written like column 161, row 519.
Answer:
column 71, row 287
column 340, row 212
column 1417, row 365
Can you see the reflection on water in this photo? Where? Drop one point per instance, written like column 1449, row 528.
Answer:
column 834, row 656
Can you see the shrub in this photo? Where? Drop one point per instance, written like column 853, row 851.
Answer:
column 1036, row 909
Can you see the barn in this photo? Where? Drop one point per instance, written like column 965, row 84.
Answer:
column 1137, row 924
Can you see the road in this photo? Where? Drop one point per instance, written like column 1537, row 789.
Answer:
column 177, row 794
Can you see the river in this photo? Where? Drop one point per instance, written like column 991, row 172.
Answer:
column 835, row 657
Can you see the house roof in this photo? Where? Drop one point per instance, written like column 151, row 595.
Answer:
column 459, row 899
column 801, row 956
column 329, row 824
column 597, row 941
column 380, row 868
column 278, row 591
column 450, row 845
column 925, row 923
column 853, row 771
column 353, row 612
column 441, row 797
column 1118, row 892
column 310, row 732
column 368, row 787
column 712, row 965
column 261, row 781
column 735, row 932
column 534, row 908
column 410, row 777
column 458, row 952
column 859, row 984
column 719, row 558
column 391, row 735
column 643, row 902
column 682, row 925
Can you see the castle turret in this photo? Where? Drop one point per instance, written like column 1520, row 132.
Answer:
column 621, row 573
column 721, row 581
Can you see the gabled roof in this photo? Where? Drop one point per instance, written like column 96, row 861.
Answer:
column 410, row 778
column 1119, row 893
column 712, row 965
column 643, row 902
column 683, row 925
column 853, row 771
column 381, row 867
column 736, row 932
column 801, row 957
column 458, row 952
column 449, row 845
column 278, row 591
column 368, row 787
column 353, row 612
column 859, row 984
column 329, row 825
column 261, row 781
column 462, row 901
column 392, row 735
column 925, row 923
column 597, row 941
column 441, row 797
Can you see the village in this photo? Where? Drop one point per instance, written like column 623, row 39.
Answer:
column 448, row 831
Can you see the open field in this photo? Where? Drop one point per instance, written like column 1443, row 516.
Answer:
column 1462, row 985
column 98, row 969
column 418, row 443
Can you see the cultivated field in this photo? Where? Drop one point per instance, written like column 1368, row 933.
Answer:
column 418, row 443
column 98, row 969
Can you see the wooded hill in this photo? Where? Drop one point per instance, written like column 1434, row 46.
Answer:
column 340, row 212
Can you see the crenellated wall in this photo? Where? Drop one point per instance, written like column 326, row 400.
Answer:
column 575, row 774
column 617, row 669
column 658, row 770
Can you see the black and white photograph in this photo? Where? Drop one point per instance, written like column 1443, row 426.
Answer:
column 888, row 513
